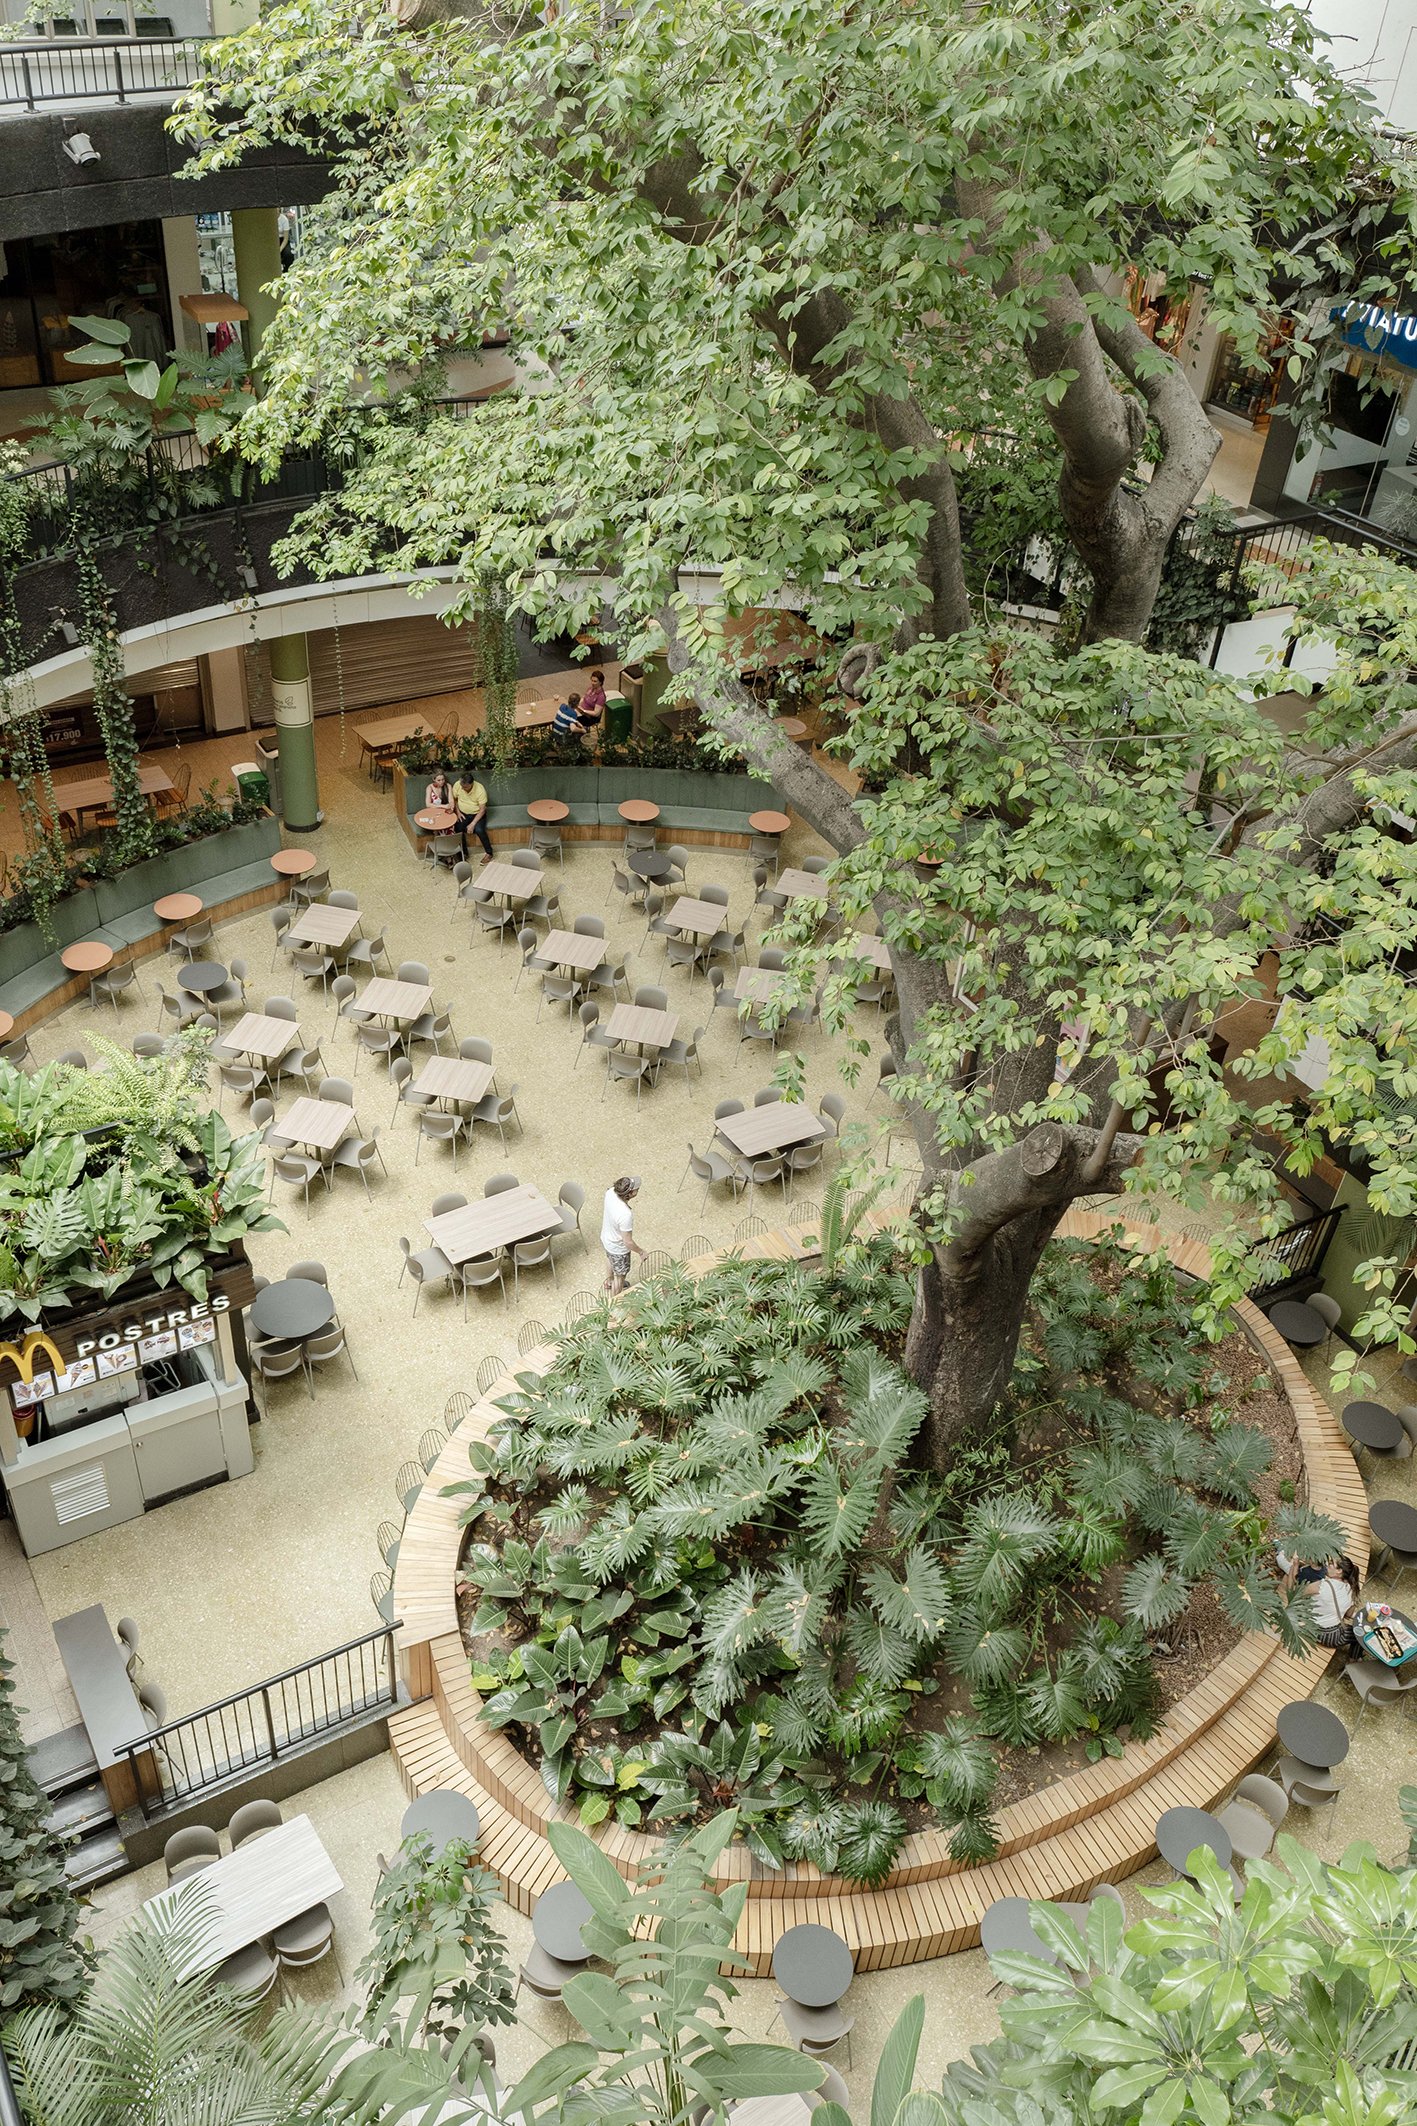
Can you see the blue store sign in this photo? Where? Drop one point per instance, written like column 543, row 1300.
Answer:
column 1381, row 332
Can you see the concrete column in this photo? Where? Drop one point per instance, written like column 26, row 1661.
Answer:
column 184, row 277
column 256, row 241
column 224, row 691
column 295, row 732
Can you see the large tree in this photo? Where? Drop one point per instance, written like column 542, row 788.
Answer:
column 771, row 271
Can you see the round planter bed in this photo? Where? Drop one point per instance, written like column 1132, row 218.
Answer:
column 1094, row 1825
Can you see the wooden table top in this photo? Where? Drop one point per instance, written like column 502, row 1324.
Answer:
column 454, row 1078
column 514, row 882
column 256, row 1035
column 177, row 907
column 548, row 810
column 86, row 957
column 769, row 822
column 802, row 885
column 396, row 1000
column 91, row 791
column 7, row 1025
column 496, row 1222
column 756, row 984
column 792, row 727
column 573, row 948
column 436, row 819
column 789, row 2110
column 865, row 945
column 638, row 811
column 636, row 1022
column 322, row 1124
column 759, row 1130
column 702, row 917
column 255, row 1889
column 323, row 925
column 391, row 730
column 294, row 863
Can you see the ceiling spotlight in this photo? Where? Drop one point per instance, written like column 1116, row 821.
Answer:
column 80, row 149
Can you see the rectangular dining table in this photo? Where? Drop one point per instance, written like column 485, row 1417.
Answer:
column 323, row 925
column 256, row 1034
column 865, row 945
column 512, row 882
column 774, row 1128
column 639, row 1023
column 801, row 885
column 454, row 1078
column 388, row 999
column 250, row 1892
column 756, row 984
column 391, row 731
column 572, row 948
column 319, row 1124
column 702, row 918
column 519, row 1213
column 90, row 793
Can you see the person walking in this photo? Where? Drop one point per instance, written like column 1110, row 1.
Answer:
column 617, row 1234
column 470, row 804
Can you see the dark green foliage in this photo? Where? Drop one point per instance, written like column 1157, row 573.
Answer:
column 707, row 1576
column 436, row 1965
column 39, row 1917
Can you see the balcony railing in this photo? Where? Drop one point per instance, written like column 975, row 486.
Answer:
column 1293, row 1255
column 68, row 69
column 257, row 1727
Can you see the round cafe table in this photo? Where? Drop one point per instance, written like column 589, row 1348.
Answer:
column 547, row 811
column 7, row 1025
column 178, row 907
column 1299, row 1325
column 1393, row 1521
column 1373, row 1426
column 792, row 727
column 1312, row 1734
column 201, row 976
column 291, row 1310
column 648, row 863
column 813, row 1966
column 1180, row 1831
column 87, row 957
column 769, row 822
column 293, row 863
column 557, row 1918
column 638, row 811
column 435, row 819
column 442, row 1816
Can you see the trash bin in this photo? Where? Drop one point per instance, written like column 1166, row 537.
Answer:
column 251, row 781
column 269, row 757
column 619, row 719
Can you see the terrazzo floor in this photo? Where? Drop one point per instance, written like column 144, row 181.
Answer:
column 242, row 1580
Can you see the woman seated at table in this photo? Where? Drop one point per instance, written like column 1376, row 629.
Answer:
column 566, row 723
column 592, row 704
column 439, row 795
column 1332, row 1589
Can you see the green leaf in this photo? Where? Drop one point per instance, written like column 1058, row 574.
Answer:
column 109, row 331
column 895, row 2069
column 752, row 2070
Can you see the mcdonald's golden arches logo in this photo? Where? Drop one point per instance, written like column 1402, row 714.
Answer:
column 22, row 1356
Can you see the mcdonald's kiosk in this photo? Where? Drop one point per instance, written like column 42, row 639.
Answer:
column 106, row 1415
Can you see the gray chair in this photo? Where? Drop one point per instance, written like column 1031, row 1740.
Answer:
column 341, row 898
column 1252, row 1816
column 280, row 1008
column 544, row 1975
column 593, row 1034
column 311, row 1272
column 153, row 1700
column 112, row 983
column 252, row 1973
column 328, row 1345
column 479, row 1272
column 344, row 990
column 281, row 920
column 1305, row 1786
column 385, row 1041
column 649, row 997
column 401, row 1076
column 1377, row 1686
column 475, row 1050
column 148, row 1044
column 726, row 1108
column 773, row 958
column 559, row 989
column 251, row 1819
column 451, row 1200
column 682, row 1050
column 428, row 1262
column 340, row 1089
column 305, row 1939
column 497, row 1110
column 194, row 1866
column 529, row 1255
column 710, row 1167
column 830, row 2090
column 528, row 941
column 367, row 952
column 1328, row 1311
column 571, row 1202
column 499, row 1184
column 197, row 1842
column 443, row 1129
column 299, row 1170
column 767, row 1096
column 126, row 1632
column 631, row 1069
column 277, row 1362
column 359, row 1153
column 832, row 1111
column 413, row 971
column 815, row 2030
column 816, row 865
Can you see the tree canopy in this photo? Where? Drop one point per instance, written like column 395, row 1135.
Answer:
column 779, row 277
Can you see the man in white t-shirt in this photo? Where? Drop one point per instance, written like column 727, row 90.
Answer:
column 617, row 1231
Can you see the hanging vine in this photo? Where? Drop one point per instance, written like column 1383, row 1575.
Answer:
column 133, row 836
column 43, row 873
column 494, row 655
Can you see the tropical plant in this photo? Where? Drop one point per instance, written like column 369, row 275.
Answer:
column 134, row 836
column 659, row 2012
column 436, row 1967
column 1297, row 2007
column 105, row 1174
column 40, row 1959
column 151, row 2042
column 806, row 259
column 706, row 1575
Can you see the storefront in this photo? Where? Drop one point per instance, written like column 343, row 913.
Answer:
column 106, row 1414
column 1366, row 465
column 46, row 281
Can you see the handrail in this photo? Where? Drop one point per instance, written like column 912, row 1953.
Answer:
column 1296, row 1252
column 37, row 70
column 258, row 1726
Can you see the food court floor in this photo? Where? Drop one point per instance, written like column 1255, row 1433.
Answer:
column 242, row 1580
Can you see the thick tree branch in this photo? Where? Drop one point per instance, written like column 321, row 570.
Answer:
column 1043, row 1171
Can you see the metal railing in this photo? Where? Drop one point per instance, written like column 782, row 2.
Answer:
column 66, row 69
column 1294, row 1254
column 257, row 1727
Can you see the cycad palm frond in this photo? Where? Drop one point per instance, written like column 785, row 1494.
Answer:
column 1004, row 1539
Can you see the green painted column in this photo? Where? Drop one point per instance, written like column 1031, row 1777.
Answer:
column 295, row 733
column 256, row 242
